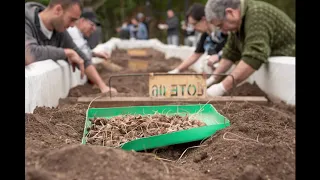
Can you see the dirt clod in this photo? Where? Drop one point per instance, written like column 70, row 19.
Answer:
column 250, row 172
column 200, row 157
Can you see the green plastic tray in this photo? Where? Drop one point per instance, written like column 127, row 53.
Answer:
column 203, row 112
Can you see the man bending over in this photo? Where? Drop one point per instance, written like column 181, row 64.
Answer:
column 258, row 30
column 46, row 36
column 83, row 28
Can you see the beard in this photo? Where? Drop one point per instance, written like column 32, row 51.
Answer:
column 58, row 25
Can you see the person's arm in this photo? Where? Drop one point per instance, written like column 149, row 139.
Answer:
column 240, row 73
column 101, row 54
column 256, row 51
column 191, row 60
column 224, row 66
column 39, row 52
column 229, row 56
column 68, row 43
column 194, row 57
column 28, row 57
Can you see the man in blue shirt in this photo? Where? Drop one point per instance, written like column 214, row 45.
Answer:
column 138, row 30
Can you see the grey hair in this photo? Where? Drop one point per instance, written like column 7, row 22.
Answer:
column 215, row 9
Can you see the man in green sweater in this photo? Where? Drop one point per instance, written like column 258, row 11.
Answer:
column 257, row 30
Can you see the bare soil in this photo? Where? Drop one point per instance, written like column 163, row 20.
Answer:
column 138, row 86
column 259, row 144
column 129, row 86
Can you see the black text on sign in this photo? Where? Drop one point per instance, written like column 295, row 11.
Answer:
column 177, row 86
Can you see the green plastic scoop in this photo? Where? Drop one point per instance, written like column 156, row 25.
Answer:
column 203, row 112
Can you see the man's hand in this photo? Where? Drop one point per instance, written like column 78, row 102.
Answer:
column 184, row 27
column 113, row 90
column 74, row 59
column 162, row 26
column 175, row 71
column 240, row 73
column 108, row 89
column 29, row 58
column 212, row 60
column 103, row 55
column 216, row 90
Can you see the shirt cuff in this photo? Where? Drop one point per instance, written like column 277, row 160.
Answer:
column 254, row 63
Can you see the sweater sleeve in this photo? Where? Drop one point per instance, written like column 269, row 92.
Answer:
column 40, row 52
column 256, row 48
column 68, row 43
column 230, row 50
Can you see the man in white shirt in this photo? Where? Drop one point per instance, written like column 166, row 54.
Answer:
column 84, row 27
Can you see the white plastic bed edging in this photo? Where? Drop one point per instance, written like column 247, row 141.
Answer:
column 277, row 78
column 48, row 81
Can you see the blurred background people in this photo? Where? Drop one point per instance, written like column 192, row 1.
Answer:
column 209, row 43
column 172, row 27
column 124, row 30
column 189, row 34
column 141, row 18
column 138, row 30
column 84, row 27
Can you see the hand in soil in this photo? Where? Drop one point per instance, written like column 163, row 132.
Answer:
column 74, row 59
column 216, row 90
column 108, row 89
column 103, row 55
column 121, row 129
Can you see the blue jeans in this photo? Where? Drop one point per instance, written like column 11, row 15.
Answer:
column 173, row 39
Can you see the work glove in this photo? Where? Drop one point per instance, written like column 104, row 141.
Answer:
column 216, row 90
column 175, row 71
column 204, row 67
column 210, row 80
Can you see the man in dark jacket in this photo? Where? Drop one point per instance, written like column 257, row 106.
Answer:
column 46, row 36
column 172, row 27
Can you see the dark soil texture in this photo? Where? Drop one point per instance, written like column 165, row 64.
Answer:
column 259, row 143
